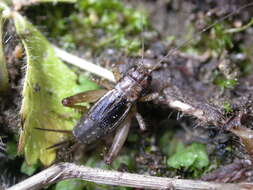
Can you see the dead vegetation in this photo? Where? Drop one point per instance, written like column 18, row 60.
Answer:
column 201, row 101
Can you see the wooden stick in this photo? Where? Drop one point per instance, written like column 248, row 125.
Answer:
column 63, row 171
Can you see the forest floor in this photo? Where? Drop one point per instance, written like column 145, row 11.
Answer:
column 212, row 76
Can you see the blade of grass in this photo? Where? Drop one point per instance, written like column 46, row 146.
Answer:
column 84, row 64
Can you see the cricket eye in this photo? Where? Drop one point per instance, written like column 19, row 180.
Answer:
column 65, row 101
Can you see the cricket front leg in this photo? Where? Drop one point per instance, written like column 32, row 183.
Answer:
column 88, row 96
column 138, row 116
column 149, row 97
column 104, row 83
column 107, row 84
column 116, row 73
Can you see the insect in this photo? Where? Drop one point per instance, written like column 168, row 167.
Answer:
column 114, row 109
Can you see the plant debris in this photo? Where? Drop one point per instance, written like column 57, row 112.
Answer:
column 205, row 88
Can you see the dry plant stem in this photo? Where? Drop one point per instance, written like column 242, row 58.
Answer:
column 68, row 170
column 237, row 171
column 84, row 64
column 246, row 137
column 186, row 108
column 18, row 4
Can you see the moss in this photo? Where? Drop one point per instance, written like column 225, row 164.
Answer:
column 224, row 83
column 227, row 107
column 95, row 25
column 193, row 158
column 220, row 40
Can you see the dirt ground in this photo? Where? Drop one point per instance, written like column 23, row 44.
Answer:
column 184, row 77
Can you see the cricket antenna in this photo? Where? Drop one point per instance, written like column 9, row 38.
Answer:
column 54, row 130
column 58, row 145
column 187, row 42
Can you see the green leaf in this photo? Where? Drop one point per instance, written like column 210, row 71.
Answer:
column 124, row 159
column 46, row 83
column 70, row 184
column 194, row 157
column 165, row 142
column 95, row 162
column 29, row 169
column 4, row 79
column 85, row 84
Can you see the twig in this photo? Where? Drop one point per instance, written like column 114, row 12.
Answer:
column 186, row 108
column 237, row 171
column 84, row 64
column 68, row 170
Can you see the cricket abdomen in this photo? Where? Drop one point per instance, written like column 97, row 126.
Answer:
column 102, row 118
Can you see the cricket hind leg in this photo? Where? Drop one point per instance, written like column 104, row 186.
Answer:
column 123, row 130
column 119, row 140
column 88, row 96
column 122, row 134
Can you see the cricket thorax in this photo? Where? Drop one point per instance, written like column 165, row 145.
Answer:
column 134, row 83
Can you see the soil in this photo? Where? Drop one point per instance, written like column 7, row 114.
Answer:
column 183, row 77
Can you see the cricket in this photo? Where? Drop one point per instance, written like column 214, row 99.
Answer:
column 114, row 108
column 163, row 113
